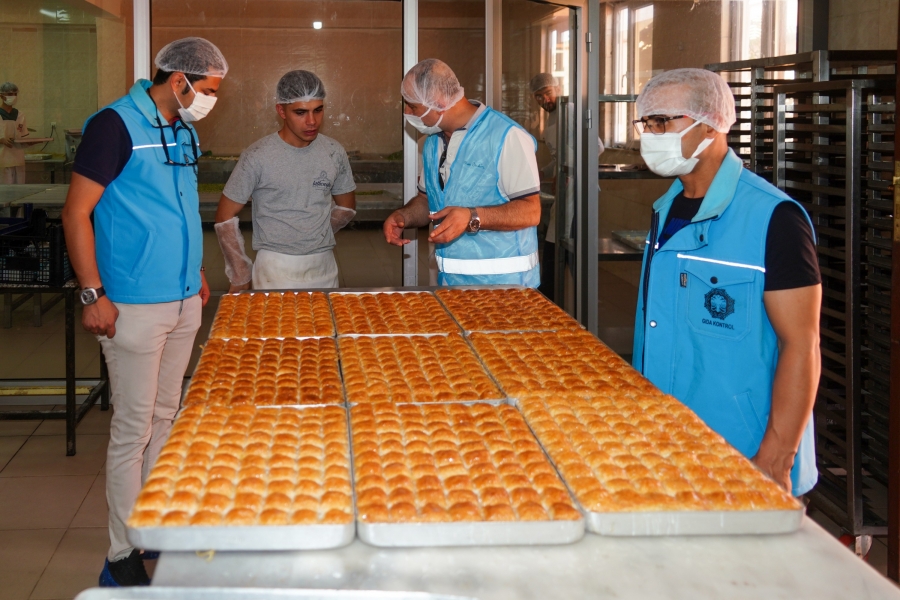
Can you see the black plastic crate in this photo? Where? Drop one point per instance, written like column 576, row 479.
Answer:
column 35, row 256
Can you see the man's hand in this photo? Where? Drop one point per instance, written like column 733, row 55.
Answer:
column 6, row 142
column 100, row 317
column 204, row 289
column 234, row 289
column 775, row 463
column 454, row 224
column 393, row 229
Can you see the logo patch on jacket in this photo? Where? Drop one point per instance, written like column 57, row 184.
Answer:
column 718, row 303
column 322, row 182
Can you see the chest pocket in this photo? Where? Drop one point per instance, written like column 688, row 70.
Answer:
column 720, row 298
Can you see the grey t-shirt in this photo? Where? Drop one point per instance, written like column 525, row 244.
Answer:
column 291, row 189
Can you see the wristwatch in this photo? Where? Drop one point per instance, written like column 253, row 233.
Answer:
column 89, row 296
column 474, row 221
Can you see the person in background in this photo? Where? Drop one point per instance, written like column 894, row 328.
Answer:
column 479, row 180
column 303, row 193
column 12, row 155
column 132, row 226
column 728, row 307
column 545, row 89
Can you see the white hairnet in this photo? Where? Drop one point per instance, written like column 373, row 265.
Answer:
column 299, row 86
column 192, row 55
column 433, row 84
column 542, row 80
column 700, row 94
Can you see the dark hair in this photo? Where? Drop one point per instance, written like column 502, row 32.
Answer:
column 163, row 76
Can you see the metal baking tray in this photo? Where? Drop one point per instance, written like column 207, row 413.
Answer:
column 247, row 537
column 213, row 593
column 432, row 334
column 707, row 522
column 476, row 533
column 727, row 522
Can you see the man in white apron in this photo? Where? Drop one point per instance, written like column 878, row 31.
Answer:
column 303, row 193
column 12, row 154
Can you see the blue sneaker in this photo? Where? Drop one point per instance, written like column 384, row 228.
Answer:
column 128, row 571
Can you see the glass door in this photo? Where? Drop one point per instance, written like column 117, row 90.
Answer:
column 544, row 87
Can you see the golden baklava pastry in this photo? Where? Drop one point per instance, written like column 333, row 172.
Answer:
column 416, row 368
column 451, row 463
column 514, row 309
column 273, row 314
column 250, row 466
column 641, row 452
column 569, row 361
column 267, row 372
column 399, row 312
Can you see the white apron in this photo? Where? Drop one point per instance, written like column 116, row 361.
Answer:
column 276, row 271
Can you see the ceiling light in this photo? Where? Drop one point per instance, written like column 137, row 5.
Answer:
column 317, row 24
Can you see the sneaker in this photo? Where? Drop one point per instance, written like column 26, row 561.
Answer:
column 128, row 571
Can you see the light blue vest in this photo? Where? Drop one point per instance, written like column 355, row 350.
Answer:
column 149, row 242
column 704, row 335
column 473, row 183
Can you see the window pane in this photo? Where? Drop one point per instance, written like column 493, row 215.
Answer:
column 68, row 59
column 643, row 47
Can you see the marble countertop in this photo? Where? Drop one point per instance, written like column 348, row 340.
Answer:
column 807, row 564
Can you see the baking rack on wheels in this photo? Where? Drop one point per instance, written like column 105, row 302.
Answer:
column 74, row 412
column 834, row 149
column 467, row 441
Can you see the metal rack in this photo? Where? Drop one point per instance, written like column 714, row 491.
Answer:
column 752, row 82
column 825, row 136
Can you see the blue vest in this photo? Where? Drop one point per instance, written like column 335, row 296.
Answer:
column 149, row 242
column 701, row 332
column 478, row 258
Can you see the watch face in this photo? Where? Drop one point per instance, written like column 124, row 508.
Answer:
column 88, row 296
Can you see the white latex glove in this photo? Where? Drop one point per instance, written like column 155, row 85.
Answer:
column 340, row 217
column 238, row 266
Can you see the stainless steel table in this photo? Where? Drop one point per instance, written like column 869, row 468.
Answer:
column 807, row 564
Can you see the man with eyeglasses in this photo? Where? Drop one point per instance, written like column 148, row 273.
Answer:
column 728, row 307
column 132, row 227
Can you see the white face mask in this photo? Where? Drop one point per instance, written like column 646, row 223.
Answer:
column 662, row 152
column 198, row 109
column 422, row 127
column 10, row 100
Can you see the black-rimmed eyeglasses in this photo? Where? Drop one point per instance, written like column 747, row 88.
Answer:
column 654, row 124
column 177, row 127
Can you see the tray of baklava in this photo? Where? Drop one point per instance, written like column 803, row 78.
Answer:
column 455, row 475
column 272, row 371
column 414, row 369
column 504, row 309
column 643, row 464
column 389, row 313
column 273, row 314
column 563, row 362
column 249, row 478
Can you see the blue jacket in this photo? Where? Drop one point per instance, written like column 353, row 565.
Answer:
column 149, row 242
column 701, row 331
column 486, row 257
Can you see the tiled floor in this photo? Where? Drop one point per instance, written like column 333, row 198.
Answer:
column 53, row 535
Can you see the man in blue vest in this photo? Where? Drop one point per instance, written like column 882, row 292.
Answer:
column 479, row 183
column 728, row 307
column 132, row 227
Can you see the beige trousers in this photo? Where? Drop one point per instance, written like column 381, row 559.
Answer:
column 147, row 359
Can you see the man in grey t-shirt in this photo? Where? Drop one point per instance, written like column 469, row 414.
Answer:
column 303, row 192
